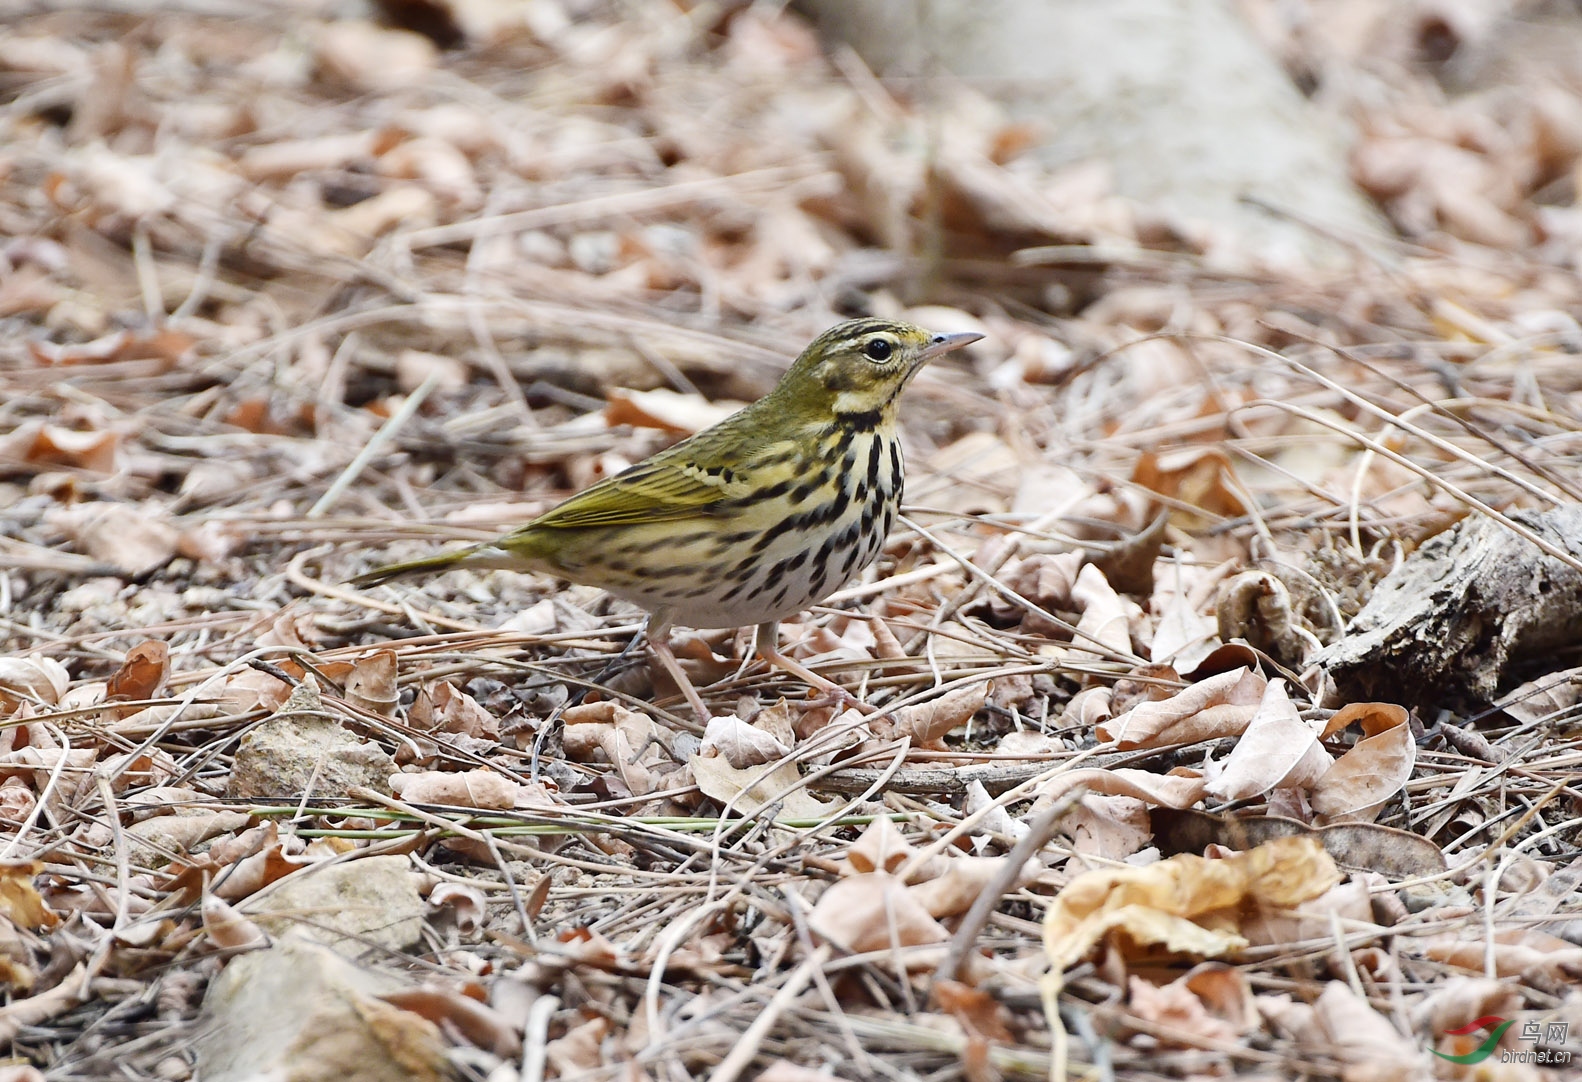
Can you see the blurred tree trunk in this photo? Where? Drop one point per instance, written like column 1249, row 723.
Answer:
column 1194, row 117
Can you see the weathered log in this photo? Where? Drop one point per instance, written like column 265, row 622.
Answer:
column 1445, row 628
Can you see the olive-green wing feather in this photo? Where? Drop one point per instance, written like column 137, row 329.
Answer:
column 680, row 482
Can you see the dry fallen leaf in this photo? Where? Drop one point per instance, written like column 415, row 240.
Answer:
column 142, row 673
column 37, row 679
column 741, row 744
column 1548, row 696
column 956, row 883
column 1212, row 1002
column 127, row 538
column 748, row 791
column 463, row 901
column 20, row 902
column 479, row 1023
column 48, row 445
column 1219, row 706
column 1373, row 770
column 466, row 789
column 873, row 911
column 371, row 57
column 879, row 848
column 1276, row 750
column 578, row 1049
column 1514, row 952
column 925, row 724
column 228, row 929
column 1185, row 905
column 975, row 1009
column 665, row 409
column 1196, row 478
column 1363, row 1037
column 441, row 707
column 371, row 685
column 625, row 739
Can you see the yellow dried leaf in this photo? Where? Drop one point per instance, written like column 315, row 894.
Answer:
column 1187, row 904
column 20, row 901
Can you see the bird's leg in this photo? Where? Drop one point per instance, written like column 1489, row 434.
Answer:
column 767, row 644
column 659, row 639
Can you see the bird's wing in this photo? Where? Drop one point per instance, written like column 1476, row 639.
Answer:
column 665, row 488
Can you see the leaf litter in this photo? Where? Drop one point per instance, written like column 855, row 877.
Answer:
column 296, row 292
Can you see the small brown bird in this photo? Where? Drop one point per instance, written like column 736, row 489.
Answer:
column 756, row 518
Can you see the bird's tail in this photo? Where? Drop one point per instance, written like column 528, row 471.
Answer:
column 478, row 556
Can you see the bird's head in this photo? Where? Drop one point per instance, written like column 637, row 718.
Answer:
column 858, row 368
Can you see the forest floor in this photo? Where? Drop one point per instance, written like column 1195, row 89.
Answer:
column 288, row 293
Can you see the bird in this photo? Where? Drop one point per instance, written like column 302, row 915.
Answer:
column 748, row 521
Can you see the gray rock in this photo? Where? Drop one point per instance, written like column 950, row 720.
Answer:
column 350, row 905
column 299, row 1011
column 304, row 748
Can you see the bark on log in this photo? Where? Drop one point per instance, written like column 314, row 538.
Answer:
column 1445, row 627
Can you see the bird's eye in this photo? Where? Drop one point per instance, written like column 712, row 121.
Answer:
column 878, row 349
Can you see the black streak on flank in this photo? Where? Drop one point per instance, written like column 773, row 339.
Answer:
column 773, row 492
column 803, row 492
column 769, row 536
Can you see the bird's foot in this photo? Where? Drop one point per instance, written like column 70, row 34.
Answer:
column 667, row 661
column 830, row 693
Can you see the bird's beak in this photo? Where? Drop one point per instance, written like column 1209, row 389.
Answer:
column 944, row 343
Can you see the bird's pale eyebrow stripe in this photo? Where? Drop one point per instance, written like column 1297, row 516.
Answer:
column 860, row 330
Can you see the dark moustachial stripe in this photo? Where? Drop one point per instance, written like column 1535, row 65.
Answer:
column 861, row 421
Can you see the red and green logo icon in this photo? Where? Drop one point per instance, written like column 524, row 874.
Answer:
column 1496, row 1027
column 1552, row 1034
